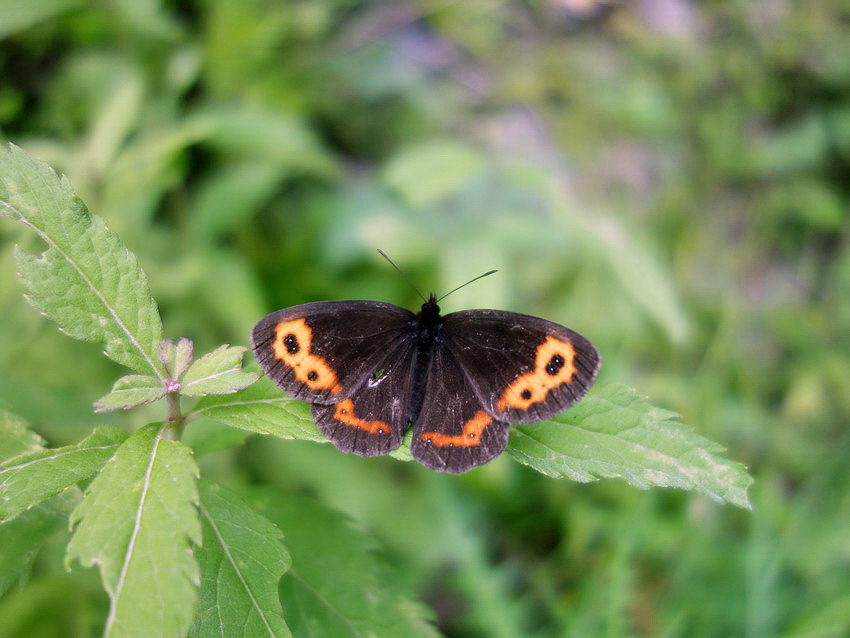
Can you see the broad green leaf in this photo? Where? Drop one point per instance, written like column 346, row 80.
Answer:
column 30, row 478
column 242, row 559
column 136, row 523
column 615, row 433
column 175, row 358
column 22, row 537
column 431, row 171
column 264, row 409
column 337, row 586
column 87, row 281
column 130, row 391
column 15, row 436
column 217, row 372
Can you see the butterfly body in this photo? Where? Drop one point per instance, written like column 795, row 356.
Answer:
column 373, row 370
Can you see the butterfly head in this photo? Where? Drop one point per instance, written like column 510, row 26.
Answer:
column 430, row 311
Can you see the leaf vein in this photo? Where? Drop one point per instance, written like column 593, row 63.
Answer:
column 56, row 456
column 137, row 524
column 236, row 569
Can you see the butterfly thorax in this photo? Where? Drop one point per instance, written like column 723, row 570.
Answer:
column 429, row 320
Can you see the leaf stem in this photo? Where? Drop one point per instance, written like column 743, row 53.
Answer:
column 175, row 418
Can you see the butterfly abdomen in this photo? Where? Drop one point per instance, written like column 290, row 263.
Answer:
column 429, row 331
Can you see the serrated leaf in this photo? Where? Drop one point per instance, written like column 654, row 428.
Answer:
column 130, row 391
column 16, row 437
column 217, row 372
column 615, row 433
column 175, row 358
column 263, row 409
column 337, row 586
column 22, row 537
column 242, row 559
column 136, row 523
column 32, row 477
column 87, row 281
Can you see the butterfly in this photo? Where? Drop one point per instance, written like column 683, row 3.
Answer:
column 372, row 370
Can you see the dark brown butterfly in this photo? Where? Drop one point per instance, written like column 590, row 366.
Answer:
column 372, row 370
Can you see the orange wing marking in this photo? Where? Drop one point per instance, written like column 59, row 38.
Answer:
column 553, row 366
column 292, row 346
column 471, row 435
column 344, row 413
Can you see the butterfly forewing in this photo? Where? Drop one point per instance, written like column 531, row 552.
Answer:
column 523, row 369
column 324, row 351
column 453, row 432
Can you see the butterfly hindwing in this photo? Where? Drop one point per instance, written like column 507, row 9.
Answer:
column 523, row 369
column 453, row 432
column 324, row 351
column 374, row 419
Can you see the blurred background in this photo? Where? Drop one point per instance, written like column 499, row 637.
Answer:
column 668, row 177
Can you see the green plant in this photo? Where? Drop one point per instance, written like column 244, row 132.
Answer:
column 180, row 554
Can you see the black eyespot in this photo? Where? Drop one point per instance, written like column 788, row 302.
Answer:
column 555, row 364
column 312, row 375
column 380, row 430
column 472, row 435
column 525, row 394
column 291, row 343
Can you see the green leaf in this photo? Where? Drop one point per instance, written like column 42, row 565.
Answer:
column 130, row 391
column 87, row 281
column 337, row 586
column 135, row 523
column 30, row 478
column 217, row 372
column 402, row 453
column 264, row 409
column 433, row 170
column 16, row 437
column 242, row 559
column 206, row 436
column 615, row 433
column 175, row 358
column 22, row 537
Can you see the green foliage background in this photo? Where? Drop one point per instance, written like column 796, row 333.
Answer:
column 668, row 178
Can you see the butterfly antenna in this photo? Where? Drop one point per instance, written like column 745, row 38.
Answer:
column 489, row 272
column 401, row 272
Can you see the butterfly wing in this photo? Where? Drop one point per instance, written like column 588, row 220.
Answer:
column 322, row 352
column 453, row 432
column 523, row 369
column 353, row 360
column 374, row 419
